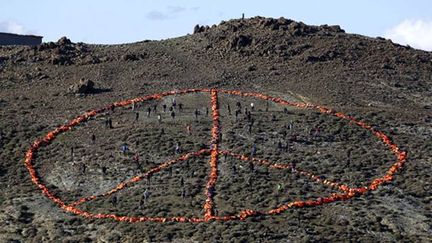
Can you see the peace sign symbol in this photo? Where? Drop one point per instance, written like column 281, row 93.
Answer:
column 214, row 152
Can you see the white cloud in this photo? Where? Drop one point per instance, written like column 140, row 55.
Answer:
column 168, row 13
column 175, row 9
column 156, row 15
column 416, row 33
column 12, row 27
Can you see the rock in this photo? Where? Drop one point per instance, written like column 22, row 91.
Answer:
column 240, row 41
column 386, row 66
column 251, row 68
column 284, row 21
column 332, row 28
column 199, row 29
column 196, row 29
column 3, row 59
column 89, row 59
column 85, row 86
column 64, row 41
column 59, row 60
column 129, row 57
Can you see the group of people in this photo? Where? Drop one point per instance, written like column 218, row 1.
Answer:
column 288, row 132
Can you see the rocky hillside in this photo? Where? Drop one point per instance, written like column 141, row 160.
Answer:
column 383, row 83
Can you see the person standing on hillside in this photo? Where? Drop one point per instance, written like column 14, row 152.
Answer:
column 254, row 150
column 189, row 129
column 237, row 112
column 136, row 158
column 114, row 200
column 141, row 203
column 196, row 113
column 146, row 194
column 108, row 123
column 178, row 148
column 124, row 148
column 239, row 106
column 279, row 145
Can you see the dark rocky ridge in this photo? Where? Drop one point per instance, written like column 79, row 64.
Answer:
column 381, row 82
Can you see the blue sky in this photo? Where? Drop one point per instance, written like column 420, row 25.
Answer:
column 110, row 21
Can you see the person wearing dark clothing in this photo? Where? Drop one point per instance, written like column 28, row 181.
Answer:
column 83, row 168
column 293, row 166
column 93, row 138
column 173, row 115
column 253, row 151
column 234, row 170
column 136, row 158
column 196, row 113
column 279, row 145
column 149, row 180
column 249, row 117
column 174, row 103
column 146, row 194
column 229, row 109
column 136, row 116
column 124, row 148
column 109, row 123
column 183, row 192
column 141, row 203
column 148, row 111
column 104, row 170
column 238, row 104
column 114, row 200
column 178, row 148
column 180, row 105
column 237, row 112
column 293, row 138
column 164, row 107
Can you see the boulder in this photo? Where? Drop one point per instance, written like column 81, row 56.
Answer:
column 199, row 29
column 84, row 86
column 129, row 57
column 64, row 41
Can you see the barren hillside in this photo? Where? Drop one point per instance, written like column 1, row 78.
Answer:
column 372, row 79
